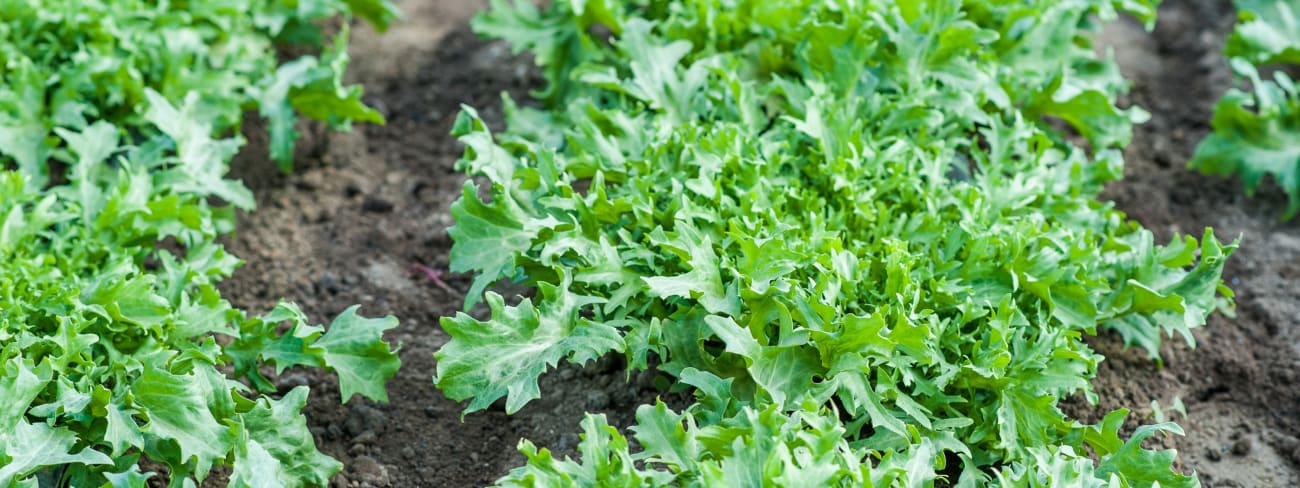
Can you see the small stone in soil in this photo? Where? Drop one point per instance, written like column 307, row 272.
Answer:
column 329, row 282
column 431, row 412
column 376, row 205
column 310, row 180
column 363, row 418
column 1212, row 454
column 369, row 472
column 367, row 437
column 597, row 400
column 1241, row 447
column 288, row 382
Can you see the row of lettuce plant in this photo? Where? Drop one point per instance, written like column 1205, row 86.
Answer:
column 857, row 232
column 118, row 121
column 1257, row 126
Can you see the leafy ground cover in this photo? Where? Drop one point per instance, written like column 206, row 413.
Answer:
column 850, row 231
column 361, row 208
column 118, row 121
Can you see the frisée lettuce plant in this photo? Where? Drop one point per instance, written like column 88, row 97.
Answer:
column 852, row 230
column 118, row 121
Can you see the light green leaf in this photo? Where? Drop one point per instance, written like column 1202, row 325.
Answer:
column 667, row 437
column 504, row 355
column 122, row 432
column 177, row 409
column 381, row 13
column 1143, row 467
column 25, row 448
column 1256, row 135
column 20, row 384
column 255, row 467
column 486, row 239
column 280, row 448
column 353, row 347
column 1268, row 32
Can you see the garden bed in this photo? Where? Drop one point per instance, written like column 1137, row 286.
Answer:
column 363, row 220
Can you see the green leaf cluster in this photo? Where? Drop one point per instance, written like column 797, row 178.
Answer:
column 1257, row 127
column 1267, row 32
column 857, row 231
column 115, row 344
column 67, row 63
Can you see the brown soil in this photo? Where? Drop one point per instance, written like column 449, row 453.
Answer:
column 362, row 208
